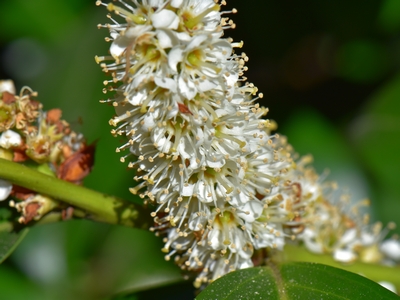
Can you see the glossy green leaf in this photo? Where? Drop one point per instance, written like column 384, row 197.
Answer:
column 295, row 281
column 9, row 241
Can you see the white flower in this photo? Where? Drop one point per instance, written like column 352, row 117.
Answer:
column 10, row 138
column 204, row 155
column 391, row 248
column 328, row 224
column 7, row 86
column 215, row 244
column 5, row 189
column 344, row 255
column 309, row 236
column 201, row 63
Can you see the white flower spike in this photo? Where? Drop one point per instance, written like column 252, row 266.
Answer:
column 205, row 156
column 222, row 184
column 5, row 189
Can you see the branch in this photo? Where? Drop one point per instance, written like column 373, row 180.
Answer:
column 102, row 207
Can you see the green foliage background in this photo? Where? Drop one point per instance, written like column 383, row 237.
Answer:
column 329, row 71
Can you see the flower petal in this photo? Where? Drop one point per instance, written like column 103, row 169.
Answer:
column 165, row 19
column 175, row 56
column 166, row 38
column 166, row 83
column 5, row 189
column 10, row 139
column 391, row 248
column 344, row 255
column 176, row 3
column 7, row 86
column 251, row 211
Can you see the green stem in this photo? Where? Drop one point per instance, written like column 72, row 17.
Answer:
column 102, row 207
column 372, row 271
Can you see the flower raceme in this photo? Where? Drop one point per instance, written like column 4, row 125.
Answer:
column 223, row 185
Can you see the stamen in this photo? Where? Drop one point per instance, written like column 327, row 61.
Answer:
column 138, row 19
column 193, row 21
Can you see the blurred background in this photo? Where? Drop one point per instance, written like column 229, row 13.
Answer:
column 330, row 75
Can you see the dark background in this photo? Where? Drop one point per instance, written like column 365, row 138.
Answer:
column 329, row 72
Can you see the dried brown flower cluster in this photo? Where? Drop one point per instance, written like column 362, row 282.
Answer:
column 41, row 140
